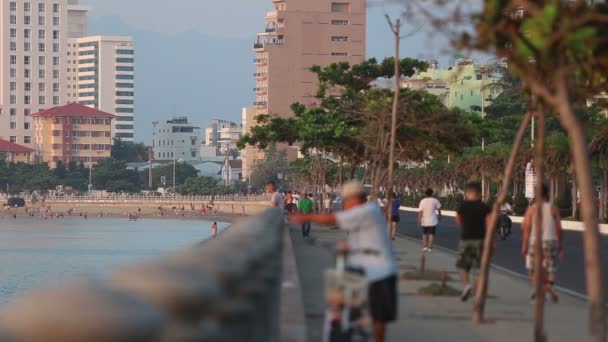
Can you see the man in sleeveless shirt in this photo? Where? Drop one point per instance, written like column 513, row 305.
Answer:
column 552, row 241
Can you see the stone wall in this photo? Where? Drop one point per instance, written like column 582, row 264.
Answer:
column 226, row 289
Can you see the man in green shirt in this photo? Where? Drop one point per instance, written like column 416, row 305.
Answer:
column 306, row 207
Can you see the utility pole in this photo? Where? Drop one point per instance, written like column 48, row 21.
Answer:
column 174, row 168
column 90, row 178
column 484, row 193
column 150, row 156
column 396, row 28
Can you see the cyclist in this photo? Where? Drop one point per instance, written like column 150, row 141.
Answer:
column 366, row 225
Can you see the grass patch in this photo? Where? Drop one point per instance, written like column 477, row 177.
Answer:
column 428, row 275
column 436, row 290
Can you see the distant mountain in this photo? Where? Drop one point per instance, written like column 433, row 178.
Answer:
column 184, row 74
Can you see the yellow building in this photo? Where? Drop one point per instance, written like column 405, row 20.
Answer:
column 73, row 133
column 13, row 153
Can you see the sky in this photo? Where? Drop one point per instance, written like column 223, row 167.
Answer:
column 193, row 57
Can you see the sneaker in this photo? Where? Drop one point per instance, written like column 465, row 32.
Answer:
column 430, row 249
column 424, row 249
column 466, row 293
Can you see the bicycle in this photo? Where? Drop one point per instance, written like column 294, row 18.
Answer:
column 346, row 291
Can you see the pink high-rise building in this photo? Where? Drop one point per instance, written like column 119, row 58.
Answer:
column 298, row 35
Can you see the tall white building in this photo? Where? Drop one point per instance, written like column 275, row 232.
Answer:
column 32, row 64
column 176, row 139
column 101, row 70
column 41, row 42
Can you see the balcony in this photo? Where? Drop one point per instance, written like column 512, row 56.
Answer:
column 258, row 46
column 260, row 61
column 272, row 14
column 260, row 75
column 260, row 104
column 260, row 90
column 270, row 30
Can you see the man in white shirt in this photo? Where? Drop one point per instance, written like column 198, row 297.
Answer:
column 429, row 214
column 276, row 198
column 366, row 225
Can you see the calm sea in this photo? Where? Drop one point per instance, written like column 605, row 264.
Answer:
column 41, row 253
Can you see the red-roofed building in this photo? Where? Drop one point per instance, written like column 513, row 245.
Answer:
column 14, row 153
column 73, row 133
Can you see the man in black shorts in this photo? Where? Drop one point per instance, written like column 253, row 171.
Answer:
column 472, row 216
column 429, row 214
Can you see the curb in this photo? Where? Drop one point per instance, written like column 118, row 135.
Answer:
column 566, row 225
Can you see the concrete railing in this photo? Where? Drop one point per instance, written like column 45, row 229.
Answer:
column 226, row 289
column 156, row 199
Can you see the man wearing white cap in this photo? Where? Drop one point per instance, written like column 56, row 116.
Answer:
column 367, row 232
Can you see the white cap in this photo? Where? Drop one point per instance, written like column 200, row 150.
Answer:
column 352, row 189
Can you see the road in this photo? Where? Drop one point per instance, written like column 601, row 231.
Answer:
column 508, row 255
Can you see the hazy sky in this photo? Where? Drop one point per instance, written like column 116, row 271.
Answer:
column 194, row 56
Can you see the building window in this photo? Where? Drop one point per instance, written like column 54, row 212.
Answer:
column 13, row 86
column 41, row 60
column 26, row 73
column 125, row 60
column 341, row 54
column 55, row 100
column 56, row 61
column 55, row 74
column 55, row 21
column 41, row 87
column 13, row 139
column 55, row 34
column 13, row 111
column 41, row 34
column 124, row 68
column 13, row 6
column 42, row 99
column 26, row 60
column 27, row 139
column 26, row 7
column 55, row 47
column 41, row 47
column 41, row 73
column 41, row 7
column 13, row 72
column 13, row 59
column 55, row 87
column 27, row 112
column 13, row 20
column 27, row 46
column 41, row 20
column 124, row 85
column 339, row 39
column 13, row 46
column 27, row 33
column 13, row 125
column 124, row 93
column 13, row 33
column 26, row 125
column 27, row 86
column 27, row 20
column 55, row 8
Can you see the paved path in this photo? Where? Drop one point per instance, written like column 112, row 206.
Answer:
column 509, row 311
column 508, row 255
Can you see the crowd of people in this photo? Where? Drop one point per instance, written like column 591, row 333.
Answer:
column 368, row 228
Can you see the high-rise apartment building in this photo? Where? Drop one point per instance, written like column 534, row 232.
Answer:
column 39, row 66
column 32, row 64
column 298, row 35
column 223, row 135
column 101, row 76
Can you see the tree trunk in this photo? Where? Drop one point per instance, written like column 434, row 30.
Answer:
column 604, row 192
column 539, row 282
column 574, row 200
column 593, row 262
column 483, row 282
column 391, row 159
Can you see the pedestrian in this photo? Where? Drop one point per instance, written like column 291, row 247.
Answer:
column 276, row 198
column 214, row 229
column 306, row 207
column 395, row 215
column 367, row 227
column 296, row 201
column 381, row 204
column 429, row 214
column 327, row 203
column 552, row 241
column 289, row 202
column 471, row 216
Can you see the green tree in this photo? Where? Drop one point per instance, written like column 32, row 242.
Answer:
column 113, row 175
column 183, row 172
column 202, row 186
column 129, row 151
column 273, row 167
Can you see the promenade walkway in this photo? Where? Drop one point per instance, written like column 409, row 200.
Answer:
column 427, row 319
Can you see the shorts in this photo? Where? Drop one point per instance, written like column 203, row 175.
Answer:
column 469, row 254
column 395, row 218
column 550, row 256
column 429, row 230
column 383, row 300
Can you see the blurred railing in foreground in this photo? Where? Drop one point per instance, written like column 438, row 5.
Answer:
column 226, row 289
column 141, row 198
